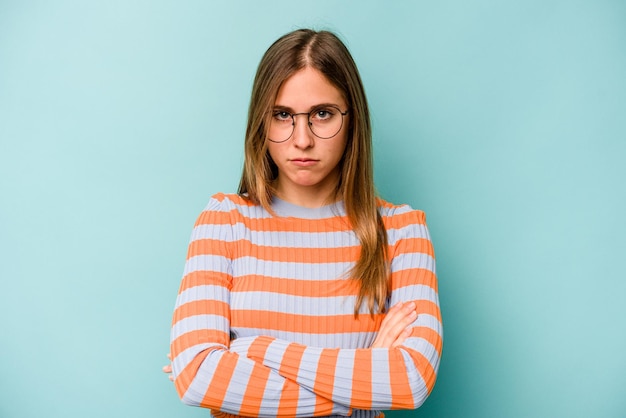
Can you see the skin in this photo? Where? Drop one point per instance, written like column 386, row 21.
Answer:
column 393, row 330
column 308, row 166
column 308, row 172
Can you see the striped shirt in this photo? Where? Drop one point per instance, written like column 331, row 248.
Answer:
column 264, row 321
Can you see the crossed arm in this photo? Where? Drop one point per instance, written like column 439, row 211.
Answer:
column 265, row 376
column 393, row 330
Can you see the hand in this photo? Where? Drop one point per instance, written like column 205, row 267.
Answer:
column 393, row 330
column 168, row 368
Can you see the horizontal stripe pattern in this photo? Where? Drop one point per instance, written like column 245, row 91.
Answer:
column 226, row 232
column 264, row 321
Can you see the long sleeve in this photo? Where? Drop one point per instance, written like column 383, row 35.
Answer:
column 206, row 372
column 396, row 378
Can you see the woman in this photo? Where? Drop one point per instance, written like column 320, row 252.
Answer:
column 284, row 305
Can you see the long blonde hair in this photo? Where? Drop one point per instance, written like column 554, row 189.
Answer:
column 324, row 52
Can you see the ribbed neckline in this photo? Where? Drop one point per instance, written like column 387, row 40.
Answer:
column 288, row 210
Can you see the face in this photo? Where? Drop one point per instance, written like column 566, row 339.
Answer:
column 308, row 166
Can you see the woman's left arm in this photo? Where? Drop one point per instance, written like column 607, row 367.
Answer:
column 399, row 377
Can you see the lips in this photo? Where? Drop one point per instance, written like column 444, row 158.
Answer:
column 303, row 162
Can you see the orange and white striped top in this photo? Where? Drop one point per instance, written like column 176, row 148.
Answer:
column 264, row 321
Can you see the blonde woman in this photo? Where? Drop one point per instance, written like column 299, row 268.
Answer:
column 305, row 294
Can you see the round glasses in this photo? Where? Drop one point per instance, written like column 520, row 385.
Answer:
column 324, row 122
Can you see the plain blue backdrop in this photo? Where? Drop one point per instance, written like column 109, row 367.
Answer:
column 503, row 120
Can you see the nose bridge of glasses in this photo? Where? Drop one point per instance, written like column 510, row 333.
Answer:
column 308, row 127
column 307, row 114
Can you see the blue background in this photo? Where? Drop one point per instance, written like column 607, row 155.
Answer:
column 503, row 120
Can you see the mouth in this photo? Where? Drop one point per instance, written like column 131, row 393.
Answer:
column 303, row 162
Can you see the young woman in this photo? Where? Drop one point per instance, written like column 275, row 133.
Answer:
column 305, row 294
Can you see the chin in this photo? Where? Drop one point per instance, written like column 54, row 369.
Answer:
column 306, row 182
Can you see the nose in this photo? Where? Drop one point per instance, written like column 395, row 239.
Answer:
column 302, row 135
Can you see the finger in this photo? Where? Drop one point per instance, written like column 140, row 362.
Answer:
column 396, row 307
column 396, row 320
column 384, row 336
column 169, row 356
column 402, row 338
column 409, row 307
column 400, row 325
column 406, row 332
column 389, row 314
column 393, row 313
column 167, row 369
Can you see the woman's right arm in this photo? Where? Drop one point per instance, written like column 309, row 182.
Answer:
column 206, row 373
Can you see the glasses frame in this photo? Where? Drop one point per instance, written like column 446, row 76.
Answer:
column 309, row 123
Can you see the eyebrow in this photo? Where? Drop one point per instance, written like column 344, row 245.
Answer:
column 316, row 106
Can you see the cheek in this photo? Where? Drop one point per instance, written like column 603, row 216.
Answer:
column 342, row 148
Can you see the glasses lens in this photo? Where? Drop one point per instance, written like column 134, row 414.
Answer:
column 326, row 122
column 281, row 126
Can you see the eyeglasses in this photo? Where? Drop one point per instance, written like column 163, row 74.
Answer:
column 324, row 122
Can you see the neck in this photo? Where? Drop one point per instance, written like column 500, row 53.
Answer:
column 306, row 196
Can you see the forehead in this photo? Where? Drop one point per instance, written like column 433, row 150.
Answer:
column 307, row 88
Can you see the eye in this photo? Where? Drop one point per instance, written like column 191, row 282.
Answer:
column 322, row 114
column 281, row 116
